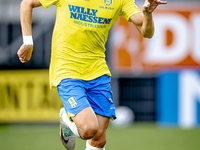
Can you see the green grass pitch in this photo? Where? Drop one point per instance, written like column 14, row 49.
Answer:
column 136, row 137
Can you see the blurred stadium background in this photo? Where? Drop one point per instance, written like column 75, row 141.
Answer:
column 158, row 79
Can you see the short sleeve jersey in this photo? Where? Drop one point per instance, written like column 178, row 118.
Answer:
column 79, row 37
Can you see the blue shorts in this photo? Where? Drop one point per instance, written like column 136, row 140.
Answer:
column 78, row 94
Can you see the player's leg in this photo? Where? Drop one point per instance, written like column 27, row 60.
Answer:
column 99, row 140
column 78, row 115
column 78, row 108
column 87, row 123
column 100, row 96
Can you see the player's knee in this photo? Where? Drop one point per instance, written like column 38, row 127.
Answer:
column 89, row 131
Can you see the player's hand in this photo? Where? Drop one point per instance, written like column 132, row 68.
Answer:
column 25, row 53
column 150, row 5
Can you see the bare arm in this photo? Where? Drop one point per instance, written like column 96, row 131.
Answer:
column 26, row 15
column 144, row 21
column 26, row 8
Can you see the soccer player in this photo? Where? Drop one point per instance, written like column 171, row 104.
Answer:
column 78, row 68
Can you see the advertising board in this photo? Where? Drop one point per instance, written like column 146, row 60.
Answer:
column 174, row 44
column 25, row 96
column 178, row 98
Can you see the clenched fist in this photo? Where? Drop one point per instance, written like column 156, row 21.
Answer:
column 25, row 53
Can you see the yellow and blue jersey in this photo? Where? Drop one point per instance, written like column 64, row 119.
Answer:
column 79, row 37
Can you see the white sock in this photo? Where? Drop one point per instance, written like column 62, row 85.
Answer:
column 89, row 147
column 70, row 124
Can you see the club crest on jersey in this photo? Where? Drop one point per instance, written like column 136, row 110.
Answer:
column 108, row 2
column 72, row 102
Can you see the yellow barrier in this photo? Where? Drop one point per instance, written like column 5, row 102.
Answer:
column 25, row 96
